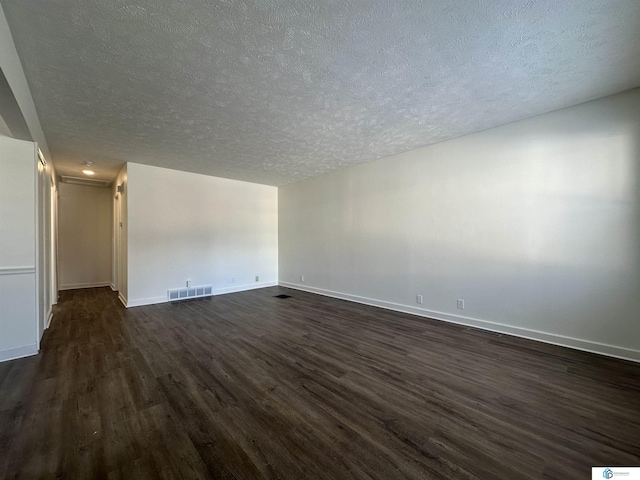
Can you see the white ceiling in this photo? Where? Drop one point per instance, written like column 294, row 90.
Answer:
column 274, row 91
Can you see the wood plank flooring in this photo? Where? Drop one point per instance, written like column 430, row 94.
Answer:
column 248, row 386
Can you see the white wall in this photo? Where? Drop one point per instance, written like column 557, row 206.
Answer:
column 210, row 230
column 534, row 224
column 18, row 326
column 84, row 235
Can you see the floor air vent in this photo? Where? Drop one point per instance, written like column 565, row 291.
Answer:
column 282, row 296
column 191, row 292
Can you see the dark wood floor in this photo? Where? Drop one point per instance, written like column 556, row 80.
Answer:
column 249, row 386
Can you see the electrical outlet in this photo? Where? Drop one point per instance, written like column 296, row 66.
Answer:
column 188, row 283
column 461, row 304
column 302, row 278
column 257, row 278
column 419, row 299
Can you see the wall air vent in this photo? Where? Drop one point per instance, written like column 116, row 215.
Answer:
column 191, row 292
column 84, row 181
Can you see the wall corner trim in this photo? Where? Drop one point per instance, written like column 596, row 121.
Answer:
column 553, row 339
column 49, row 317
column 122, row 299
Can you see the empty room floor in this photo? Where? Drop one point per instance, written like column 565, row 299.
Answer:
column 251, row 386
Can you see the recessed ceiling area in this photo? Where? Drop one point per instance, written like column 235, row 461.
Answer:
column 274, row 92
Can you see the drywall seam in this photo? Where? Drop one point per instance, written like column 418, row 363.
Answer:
column 553, row 339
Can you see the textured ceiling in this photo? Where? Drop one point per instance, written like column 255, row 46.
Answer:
column 273, row 91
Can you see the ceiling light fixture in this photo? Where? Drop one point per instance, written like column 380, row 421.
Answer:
column 88, row 172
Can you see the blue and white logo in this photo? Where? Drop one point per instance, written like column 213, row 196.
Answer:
column 628, row 473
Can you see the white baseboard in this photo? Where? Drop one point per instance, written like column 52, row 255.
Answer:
column 140, row 302
column 75, row 286
column 20, row 352
column 123, row 299
column 49, row 318
column 113, row 287
column 244, row 288
column 545, row 337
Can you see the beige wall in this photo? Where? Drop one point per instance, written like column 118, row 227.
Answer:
column 536, row 225
column 84, row 236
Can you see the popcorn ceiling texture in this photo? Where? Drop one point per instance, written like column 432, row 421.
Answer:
column 273, row 92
